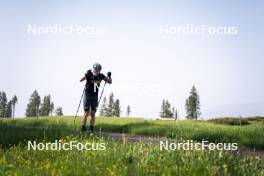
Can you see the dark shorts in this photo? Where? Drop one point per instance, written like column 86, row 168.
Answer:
column 90, row 103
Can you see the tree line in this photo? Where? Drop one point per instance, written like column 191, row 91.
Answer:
column 192, row 107
column 7, row 108
column 36, row 107
column 111, row 107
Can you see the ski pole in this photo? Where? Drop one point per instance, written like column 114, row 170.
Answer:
column 78, row 107
column 101, row 94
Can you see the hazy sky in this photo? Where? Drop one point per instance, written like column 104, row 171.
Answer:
column 146, row 65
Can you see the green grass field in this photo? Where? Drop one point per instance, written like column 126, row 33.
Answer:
column 123, row 157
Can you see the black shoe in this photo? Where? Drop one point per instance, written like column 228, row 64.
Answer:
column 84, row 128
column 91, row 128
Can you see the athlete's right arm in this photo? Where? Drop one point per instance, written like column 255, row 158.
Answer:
column 88, row 74
column 82, row 79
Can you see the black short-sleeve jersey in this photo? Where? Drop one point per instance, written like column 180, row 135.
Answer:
column 93, row 83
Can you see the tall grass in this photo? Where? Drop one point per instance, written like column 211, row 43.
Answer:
column 124, row 157
column 249, row 136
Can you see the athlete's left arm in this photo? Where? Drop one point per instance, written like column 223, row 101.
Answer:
column 108, row 80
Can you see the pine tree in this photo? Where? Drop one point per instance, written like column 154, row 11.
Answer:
column 110, row 107
column 51, row 108
column 33, row 105
column 8, row 111
column 163, row 109
column 103, row 110
column 128, row 111
column 192, row 105
column 46, row 106
column 166, row 111
column 176, row 114
column 117, row 111
column 58, row 111
column 14, row 101
column 3, row 104
column 173, row 112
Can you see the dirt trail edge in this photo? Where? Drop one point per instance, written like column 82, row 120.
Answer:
column 144, row 138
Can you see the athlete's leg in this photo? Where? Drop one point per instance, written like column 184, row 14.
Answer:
column 92, row 120
column 94, row 103
column 86, row 107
